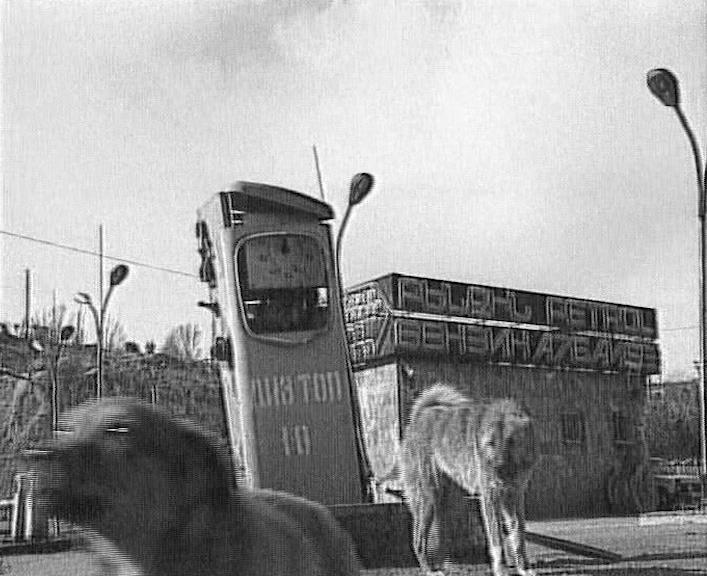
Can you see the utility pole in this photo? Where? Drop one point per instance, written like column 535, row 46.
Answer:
column 99, row 330
column 28, row 301
column 54, row 332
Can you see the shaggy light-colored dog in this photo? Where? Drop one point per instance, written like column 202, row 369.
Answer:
column 161, row 500
column 487, row 448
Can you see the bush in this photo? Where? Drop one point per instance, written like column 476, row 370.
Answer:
column 673, row 422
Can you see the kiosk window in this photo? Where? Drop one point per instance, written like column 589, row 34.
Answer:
column 620, row 426
column 283, row 284
column 572, row 428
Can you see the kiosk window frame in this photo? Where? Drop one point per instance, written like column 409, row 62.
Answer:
column 268, row 312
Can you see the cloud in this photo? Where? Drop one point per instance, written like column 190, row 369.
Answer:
column 369, row 35
column 324, row 34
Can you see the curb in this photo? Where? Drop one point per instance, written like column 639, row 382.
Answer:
column 657, row 518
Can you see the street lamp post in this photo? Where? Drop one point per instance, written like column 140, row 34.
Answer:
column 361, row 185
column 117, row 275
column 664, row 86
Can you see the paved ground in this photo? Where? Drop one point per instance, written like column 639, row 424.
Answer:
column 661, row 549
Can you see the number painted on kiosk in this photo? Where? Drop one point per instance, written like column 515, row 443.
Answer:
column 296, row 440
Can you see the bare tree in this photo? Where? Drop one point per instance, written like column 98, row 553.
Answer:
column 46, row 325
column 114, row 335
column 183, row 342
column 50, row 332
column 673, row 422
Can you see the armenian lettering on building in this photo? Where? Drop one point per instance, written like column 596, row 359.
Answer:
column 397, row 315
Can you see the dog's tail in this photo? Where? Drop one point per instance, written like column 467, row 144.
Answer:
column 438, row 395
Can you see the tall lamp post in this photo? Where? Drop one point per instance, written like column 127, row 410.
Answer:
column 361, row 185
column 117, row 275
column 664, row 86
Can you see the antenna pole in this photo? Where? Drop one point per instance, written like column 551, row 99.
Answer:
column 319, row 171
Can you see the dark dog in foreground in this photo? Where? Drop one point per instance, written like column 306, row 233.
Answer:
column 161, row 500
column 488, row 449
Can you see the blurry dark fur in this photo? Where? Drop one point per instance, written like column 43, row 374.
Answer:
column 163, row 502
column 487, row 448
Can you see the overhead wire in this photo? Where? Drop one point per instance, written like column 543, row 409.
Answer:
column 94, row 253
column 178, row 272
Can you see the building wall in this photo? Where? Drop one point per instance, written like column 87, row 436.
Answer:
column 604, row 472
column 597, row 476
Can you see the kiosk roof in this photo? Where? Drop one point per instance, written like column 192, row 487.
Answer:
column 256, row 197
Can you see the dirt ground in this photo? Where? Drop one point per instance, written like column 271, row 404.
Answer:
column 670, row 548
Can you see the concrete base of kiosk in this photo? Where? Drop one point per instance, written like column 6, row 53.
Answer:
column 382, row 534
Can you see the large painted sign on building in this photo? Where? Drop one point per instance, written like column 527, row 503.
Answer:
column 398, row 314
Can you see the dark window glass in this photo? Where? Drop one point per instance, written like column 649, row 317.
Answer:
column 572, row 428
column 283, row 284
column 619, row 424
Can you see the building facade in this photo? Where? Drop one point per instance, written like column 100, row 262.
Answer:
column 578, row 366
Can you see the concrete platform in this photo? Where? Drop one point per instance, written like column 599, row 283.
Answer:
column 660, row 550
column 382, row 534
column 673, row 517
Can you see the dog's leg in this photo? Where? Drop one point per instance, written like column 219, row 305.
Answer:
column 421, row 503
column 436, row 543
column 420, row 489
column 423, row 516
column 513, row 512
column 489, row 501
column 432, row 545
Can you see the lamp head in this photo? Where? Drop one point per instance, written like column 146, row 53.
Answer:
column 82, row 298
column 361, row 185
column 664, row 86
column 118, row 274
column 66, row 333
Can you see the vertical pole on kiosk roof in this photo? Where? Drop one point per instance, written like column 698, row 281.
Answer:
column 319, row 171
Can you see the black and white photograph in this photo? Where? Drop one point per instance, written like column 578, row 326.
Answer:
column 353, row 287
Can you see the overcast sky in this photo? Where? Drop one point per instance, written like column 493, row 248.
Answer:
column 513, row 143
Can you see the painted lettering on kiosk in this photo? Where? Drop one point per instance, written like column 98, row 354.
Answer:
column 304, row 388
column 282, row 391
column 296, row 440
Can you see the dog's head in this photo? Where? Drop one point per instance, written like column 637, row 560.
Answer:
column 508, row 441
column 126, row 466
